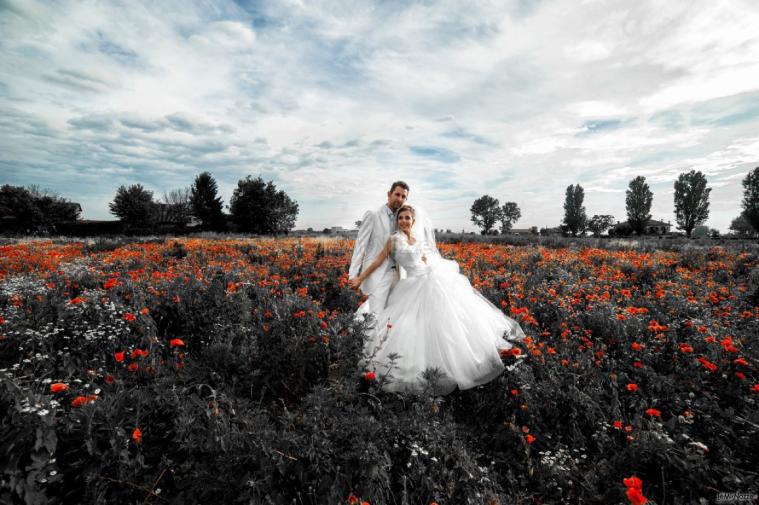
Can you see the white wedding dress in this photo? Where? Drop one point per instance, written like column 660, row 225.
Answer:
column 434, row 318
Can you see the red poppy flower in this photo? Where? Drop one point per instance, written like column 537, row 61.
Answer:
column 176, row 342
column 138, row 353
column 531, row 439
column 57, row 387
column 632, row 387
column 137, row 435
column 653, row 412
column 128, row 316
column 370, row 376
column 83, row 400
column 617, row 425
column 633, row 482
column 133, row 367
column 635, row 496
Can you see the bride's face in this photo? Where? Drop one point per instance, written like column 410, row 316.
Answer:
column 405, row 220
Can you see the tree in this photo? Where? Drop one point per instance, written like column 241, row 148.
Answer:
column 18, row 210
column 638, row 203
column 575, row 218
column 509, row 215
column 485, row 212
column 600, row 223
column 134, row 206
column 34, row 210
column 258, row 207
column 741, row 227
column 206, row 206
column 180, row 206
column 751, row 198
column 691, row 201
column 55, row 209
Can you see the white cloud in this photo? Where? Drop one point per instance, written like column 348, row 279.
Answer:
column 335, row 99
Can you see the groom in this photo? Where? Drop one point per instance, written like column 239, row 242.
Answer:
column 376, row 227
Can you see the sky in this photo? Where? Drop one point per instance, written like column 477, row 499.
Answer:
column 335, row 100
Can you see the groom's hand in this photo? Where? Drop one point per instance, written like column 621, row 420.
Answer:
column 355, row 282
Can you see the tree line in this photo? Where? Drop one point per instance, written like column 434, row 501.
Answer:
column 691, row 199
column 256, row 206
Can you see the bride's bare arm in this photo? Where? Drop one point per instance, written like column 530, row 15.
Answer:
column 356, row 281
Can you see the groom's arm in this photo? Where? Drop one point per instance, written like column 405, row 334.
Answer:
column 384, row 253
column 362, row 241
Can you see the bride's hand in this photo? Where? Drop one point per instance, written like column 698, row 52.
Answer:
column 355, row 282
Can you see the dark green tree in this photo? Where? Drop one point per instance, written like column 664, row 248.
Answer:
column 19, row 211
column 600, row 223
column 509, row 215
column 691, row 201
column 179, row 206
column 206, row 205
column 750, row 201
column 575, row 218
column 486, row 211
column 638, row 202
column 258, row 207
column 32, row 210
column 54, row 208
column 741, row 227
column 135, row 208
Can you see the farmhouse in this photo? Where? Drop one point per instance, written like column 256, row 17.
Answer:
column 524, row 231
column 653, row 227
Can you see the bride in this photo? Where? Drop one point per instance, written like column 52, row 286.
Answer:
column 434, row 318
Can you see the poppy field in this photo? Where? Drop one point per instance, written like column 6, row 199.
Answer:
column 210, row 370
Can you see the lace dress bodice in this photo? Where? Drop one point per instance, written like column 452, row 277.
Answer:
column 410, row 256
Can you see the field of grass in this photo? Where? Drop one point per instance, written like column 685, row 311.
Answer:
column 223, row 370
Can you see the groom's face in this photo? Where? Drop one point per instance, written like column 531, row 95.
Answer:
column 397, row 197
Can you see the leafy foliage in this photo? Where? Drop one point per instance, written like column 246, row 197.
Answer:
column 134, row 206
column 32, row 210
column 206, row 205
column 742, row 227
column 638, row 202
column 600, row 223
column 575, row 218
column 486, row 211
column 258, row 207
column 509, row 215
column 691, row 201
column 750, row 202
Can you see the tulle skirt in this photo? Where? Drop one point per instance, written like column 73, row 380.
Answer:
column 436, row 319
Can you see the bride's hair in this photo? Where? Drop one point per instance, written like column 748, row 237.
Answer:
column 407, row 207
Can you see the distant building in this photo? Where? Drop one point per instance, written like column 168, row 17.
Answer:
column 551, row 232
column 524, row 231
column 653, row 227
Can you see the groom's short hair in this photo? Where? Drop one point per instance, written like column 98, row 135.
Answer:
column 399, row 183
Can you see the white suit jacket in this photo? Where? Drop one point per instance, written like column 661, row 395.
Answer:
column 373, row 233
